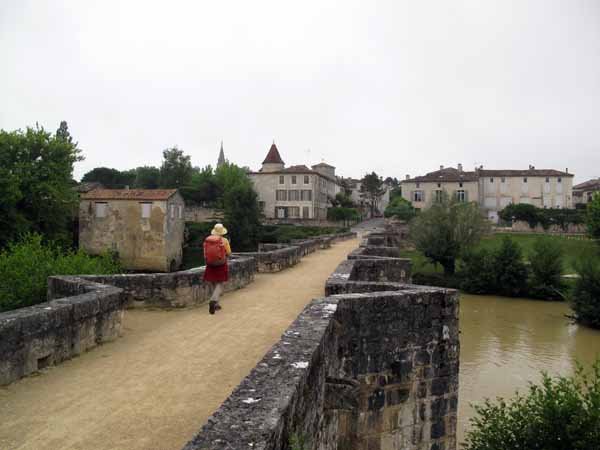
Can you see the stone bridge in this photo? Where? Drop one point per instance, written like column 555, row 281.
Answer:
column 372, row 365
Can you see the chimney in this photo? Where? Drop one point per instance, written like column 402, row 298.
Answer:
column 459, row 167
column 531, row 167
column 441, row 167
column 567, row 170
column 407, row 176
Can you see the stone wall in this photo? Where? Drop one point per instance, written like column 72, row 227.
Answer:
column 274, row 257
column 169, row 290
column 199, row 214
column 80, row 315
column 374, row 368
column 371, row 252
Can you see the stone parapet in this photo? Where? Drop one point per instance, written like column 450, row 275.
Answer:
column 373, row 366
column 273, row 257
column 80, row 315
column 370, row 252
column 171, row 290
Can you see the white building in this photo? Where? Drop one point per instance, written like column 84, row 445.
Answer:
column 295, row 193
column 493, row 190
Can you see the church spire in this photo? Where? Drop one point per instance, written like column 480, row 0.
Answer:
column 221, row 160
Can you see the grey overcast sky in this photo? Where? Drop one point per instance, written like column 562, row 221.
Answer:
column 392, row 86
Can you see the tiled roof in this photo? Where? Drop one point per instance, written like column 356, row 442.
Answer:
column 448, row 175
column 88, row 186
column 129, row 194
column 273, row 157
column 298, row 169
column 590, row 184
column 523, row 173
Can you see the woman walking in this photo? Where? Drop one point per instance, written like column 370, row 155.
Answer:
column 216, row 251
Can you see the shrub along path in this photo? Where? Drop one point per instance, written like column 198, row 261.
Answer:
column 156, row 386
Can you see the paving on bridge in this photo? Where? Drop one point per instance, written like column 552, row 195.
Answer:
column 155, row 387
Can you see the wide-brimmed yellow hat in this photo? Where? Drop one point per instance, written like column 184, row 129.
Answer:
column 219, row 230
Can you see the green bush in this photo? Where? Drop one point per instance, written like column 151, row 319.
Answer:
column 400, row 208
column 541, row 216
column 592, row 217
column 26, row 265
column 478, row 272
column 560, row 413
column 510, row 269
column 343, row 214
column 546, row 267
column 585, row 296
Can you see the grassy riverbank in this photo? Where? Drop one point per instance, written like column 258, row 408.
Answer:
column 572, row 248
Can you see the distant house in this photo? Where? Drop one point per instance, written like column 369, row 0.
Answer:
column 493, row 190
column 294, row 193
column 145, row 226
column 353, row 187
column 583, row 192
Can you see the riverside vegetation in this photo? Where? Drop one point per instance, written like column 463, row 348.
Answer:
column 454, row 249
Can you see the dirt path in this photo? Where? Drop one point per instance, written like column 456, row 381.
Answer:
column 155, row 387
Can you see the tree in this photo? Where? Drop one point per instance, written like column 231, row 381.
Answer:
column 342, row 200
column 147, row 177
column 110, row 178
column 561, row 413
column 400, row 208
column 446, row 230
column 592, row 218
column 36, row 195
column 392, row 182
column 546, row 262
column 63, row 133
column 203, row 188
column 510, row 269
column 585, row 297
column 176, row 170
column 371, row 190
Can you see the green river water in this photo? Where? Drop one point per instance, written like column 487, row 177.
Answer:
column 506, row 342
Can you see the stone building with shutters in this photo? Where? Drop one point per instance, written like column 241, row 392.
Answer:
column 584, row 192
column 295, row 193
column 493, row 190
column 144, row 226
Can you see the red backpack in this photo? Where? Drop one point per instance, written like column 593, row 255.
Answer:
column 214, row 251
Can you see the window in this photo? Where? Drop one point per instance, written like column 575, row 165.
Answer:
column 281, row 179
column 294, row 195
column 280, row 213
column 293, row 179
column 503, row 180
column 461, row 196
column 439, row 185
column 439, row 196
column 525, row 180
column 418, row 185
column 559, row 180
column 547, row 179
column 491, row 180
column 172, row 211
column 280, row 195
column 180, row 211
column 146, row 209
column 306, row 179
column 417, row 196
column 306, row 212
column 294, row 211
column 101, row 208
column 306, row 195
column 460, row 184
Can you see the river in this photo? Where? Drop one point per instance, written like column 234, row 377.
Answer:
column 506, row 342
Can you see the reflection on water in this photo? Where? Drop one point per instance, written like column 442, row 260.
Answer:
column 505, row 343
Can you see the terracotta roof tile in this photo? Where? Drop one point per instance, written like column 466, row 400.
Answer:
column 445, row 175
column 129, row 194
column 523, row 173
column 273, row 157
column 590, row 184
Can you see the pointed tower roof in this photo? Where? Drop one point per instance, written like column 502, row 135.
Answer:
column 273, row 157
column 221, row 160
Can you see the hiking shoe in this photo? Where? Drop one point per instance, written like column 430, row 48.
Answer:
column 218, row 306
column 212, row 306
